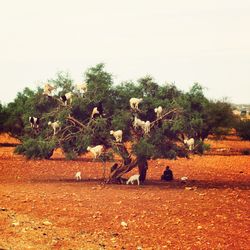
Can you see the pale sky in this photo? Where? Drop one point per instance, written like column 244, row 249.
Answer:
column 181, row 41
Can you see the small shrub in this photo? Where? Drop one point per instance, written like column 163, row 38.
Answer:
column 36, row 149
column 243, row 129
column 245, row 151
column 220, row 132
column 201, row 147
column 70, row 155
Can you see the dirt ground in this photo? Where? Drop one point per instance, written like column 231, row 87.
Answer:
column 42, row 206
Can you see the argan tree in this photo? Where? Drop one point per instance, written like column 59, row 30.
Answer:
column 183, row 115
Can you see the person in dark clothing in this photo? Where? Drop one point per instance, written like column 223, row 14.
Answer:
column 167, row 175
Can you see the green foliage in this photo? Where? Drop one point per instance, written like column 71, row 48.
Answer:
column 243, row 129
column 144, row 149
column 99, row 83
column 217, row 116
column 63, row 82
column 201, row 147
column 18, row 112
column 34, row 148
column 122, row 120
column 196, row 117
column 221, row 132
column 3, row 117
column 76, row 145
column 148, row 86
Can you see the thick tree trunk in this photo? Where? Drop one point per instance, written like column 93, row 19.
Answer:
column 127, row 165
column 143, row 168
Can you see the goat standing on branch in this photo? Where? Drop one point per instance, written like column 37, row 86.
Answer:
column 67, row 98
column 158, row 112
column 97, row 111
column 82, row 87
column 96, row 151
column 117, row 134
column 134, row 102
column 55, row 125
column 34, row 122
column 47, row 89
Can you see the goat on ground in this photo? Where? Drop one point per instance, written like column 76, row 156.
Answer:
column 133, row 178
column 78, row 176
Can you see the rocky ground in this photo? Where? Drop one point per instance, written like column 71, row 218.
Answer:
column 42, row 206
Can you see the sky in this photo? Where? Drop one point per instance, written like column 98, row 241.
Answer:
column 179, row 42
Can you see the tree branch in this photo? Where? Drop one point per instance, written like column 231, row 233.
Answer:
column 72, row 119
column 176, row 110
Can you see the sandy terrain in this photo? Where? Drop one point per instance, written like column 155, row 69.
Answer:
column 43, row 207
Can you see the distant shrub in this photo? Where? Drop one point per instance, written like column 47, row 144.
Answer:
column 243, row 129
column 35, row 149
column 245, row 151
column 201, row 147
column 220, row 132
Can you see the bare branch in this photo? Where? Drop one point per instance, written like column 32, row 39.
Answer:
column 174, row 111
column 72, row 119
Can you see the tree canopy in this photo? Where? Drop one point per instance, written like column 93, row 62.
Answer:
column 184, row 115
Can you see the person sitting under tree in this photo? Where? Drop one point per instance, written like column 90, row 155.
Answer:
column 167, row 175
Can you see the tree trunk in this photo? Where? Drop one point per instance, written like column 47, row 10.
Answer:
column 127, row 165
column 143, row 168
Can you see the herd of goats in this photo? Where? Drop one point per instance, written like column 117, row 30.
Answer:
column 98, row 111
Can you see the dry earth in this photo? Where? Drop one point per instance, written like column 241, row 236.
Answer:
column 43, row 207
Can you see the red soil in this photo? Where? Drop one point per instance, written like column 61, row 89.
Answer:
column 43, row 207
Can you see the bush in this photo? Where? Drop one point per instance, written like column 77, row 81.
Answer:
column 245, row 151
column 36, row 149
column 243, row 129
column 201, row 147
column 220, row 132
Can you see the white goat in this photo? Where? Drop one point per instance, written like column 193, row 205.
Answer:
column 145, row 126
column 78, row 176
column 117, row 134
column 184, row 178
column 96, row 151
column 67, row 97
column 137, row 122
column 158, row 112
column 134, row 102
column 55, row 125
column 47, row 89
column 94, row 112
column 133, row 178
column 82, row 87
column 189, row 143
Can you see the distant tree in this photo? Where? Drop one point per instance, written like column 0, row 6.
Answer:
column 3, row 117
column 243, row 129
column 202, row 116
